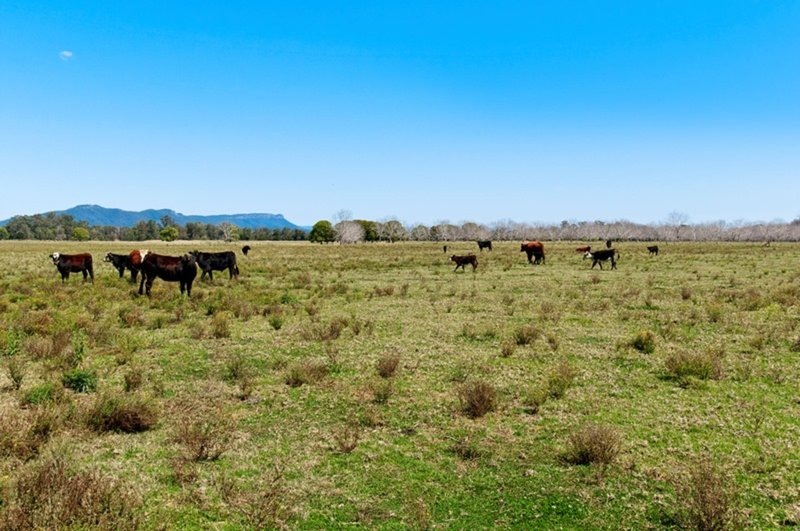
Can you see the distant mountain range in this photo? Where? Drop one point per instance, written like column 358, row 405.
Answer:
column 114, row 217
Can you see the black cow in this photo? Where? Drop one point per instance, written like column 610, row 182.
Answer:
column 73, row 263
column 598, row 257
column 484, row 244
column 181, row 269
column 653, row 249
column 463, row 260
column 209, row 262
column 444, row 248
column 608, row 244
column 122, row 262
column 245, row 250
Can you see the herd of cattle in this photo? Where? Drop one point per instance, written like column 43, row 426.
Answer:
column 183, row 269
column 535, row 252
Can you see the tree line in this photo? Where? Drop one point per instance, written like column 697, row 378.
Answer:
column 52, row 226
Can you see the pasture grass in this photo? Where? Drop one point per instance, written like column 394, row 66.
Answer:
column 370, row 386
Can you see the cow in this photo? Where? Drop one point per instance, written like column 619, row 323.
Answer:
column 209, row 262
column 181, row 269
column 584, row 249
column 122, row 262
column 653, row 250
column 73, row 263
column 444, row 248
column 608, row 244
column 484, row 244
column 534, row 250
column 245, row 250
column 598, row 257
column 462, row 260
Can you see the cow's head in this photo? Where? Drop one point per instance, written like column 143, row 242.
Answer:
column 55, row 257
column 190, row 258
column 137, row 257
column 587, row 254
column 107, row 257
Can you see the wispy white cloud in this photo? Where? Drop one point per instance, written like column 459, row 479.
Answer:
column 65, row 55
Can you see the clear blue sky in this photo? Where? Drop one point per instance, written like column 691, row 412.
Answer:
column 425, row 111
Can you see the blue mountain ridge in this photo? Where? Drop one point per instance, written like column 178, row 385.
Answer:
column 115, row 217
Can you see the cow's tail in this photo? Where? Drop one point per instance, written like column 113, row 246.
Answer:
column 235, row 269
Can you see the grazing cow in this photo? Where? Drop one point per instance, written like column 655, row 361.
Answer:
column 245, row 250
column 181, row 269
column 462, row 260
column 73, row 263
column 653, row 250
column 444, row 248
column 484, row 244
column 584, row 249
column 598, row 257
column 210, row 262
column 122, row 262
column 535, row 252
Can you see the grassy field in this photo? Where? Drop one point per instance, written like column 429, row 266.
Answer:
column 371, row 386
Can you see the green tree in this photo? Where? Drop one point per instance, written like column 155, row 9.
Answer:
column 4, row 233
column 322, row 232
column 370, row 230
column 169, row 234
column 80, row 234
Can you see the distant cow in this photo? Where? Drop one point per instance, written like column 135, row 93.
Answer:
column 122, row 262
column 598, row 257
column 484, row 244
column 608, row 244
column 584, row 249
column 653, row 249
column 444, row 248
column 210, row 262
column 462, row 260
column 181, row 269
column 73, row 263
column 245, row 250
column 535, row 252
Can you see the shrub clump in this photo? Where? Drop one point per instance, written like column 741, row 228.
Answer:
column 560, row 379
column 387, row 364
column 683, row 366
column 527, row 334
column 708, row 497
column 594, row 444
column 45, row 393
column 80, row 380
column 306, row 372
column 477, row 398
column 50, row 495
column 121, row 413
column 644, row 341
column 204, row 433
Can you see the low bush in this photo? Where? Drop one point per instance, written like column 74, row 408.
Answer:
column 560, row 379
column 708, row 498
column 527, row 334
column 126, row 413
column 80, row 380
column 644, row 341
column 205, row 433
column 387, row 364
column 306, row 372
column 477, row 398
column 594, row 444
column 44, row 393
column 683, row 365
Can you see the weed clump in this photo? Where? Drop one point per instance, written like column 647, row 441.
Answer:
column 683, row 366
column 16, row 372
column 708, row 498
column 594, row 444
column 121, row 413
column 45, row 393
column 381, row 391
column 306, row 372
column 80, row 380
column 220, row 325
column 387, row 364
column 560, row 379
column 527, row 334
column 507, row 348
column 477, row 398
column 644, row 341
column 22, row 434
column 204, row 433
column 50, row 495
column 346, row 437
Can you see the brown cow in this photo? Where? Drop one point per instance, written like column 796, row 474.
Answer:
column 181, row 269
column 534, row 250
column 73, row 263
column 463, row 260
column 584, row 249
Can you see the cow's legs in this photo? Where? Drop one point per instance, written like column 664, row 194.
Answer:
column 141, row 283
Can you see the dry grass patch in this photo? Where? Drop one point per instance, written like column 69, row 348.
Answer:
column 204, row 432
column 593, row 444
column 527, row 334
column 708, row 498
column 306, row 372
column 387, row 364
column 126, row 413
column 684, row 366
column 477, row 398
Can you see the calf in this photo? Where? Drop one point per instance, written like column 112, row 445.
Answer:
column 484, row 244
column 122, row 262
column 598, row 257
column 462, row 260
column 245, row 250
column 210, row 262
column 535, row 252
column 181, row 269
column 653, row 250
column 73, row 263
column 584, row 249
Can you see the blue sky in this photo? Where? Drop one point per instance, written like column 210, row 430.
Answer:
column 423, row 111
